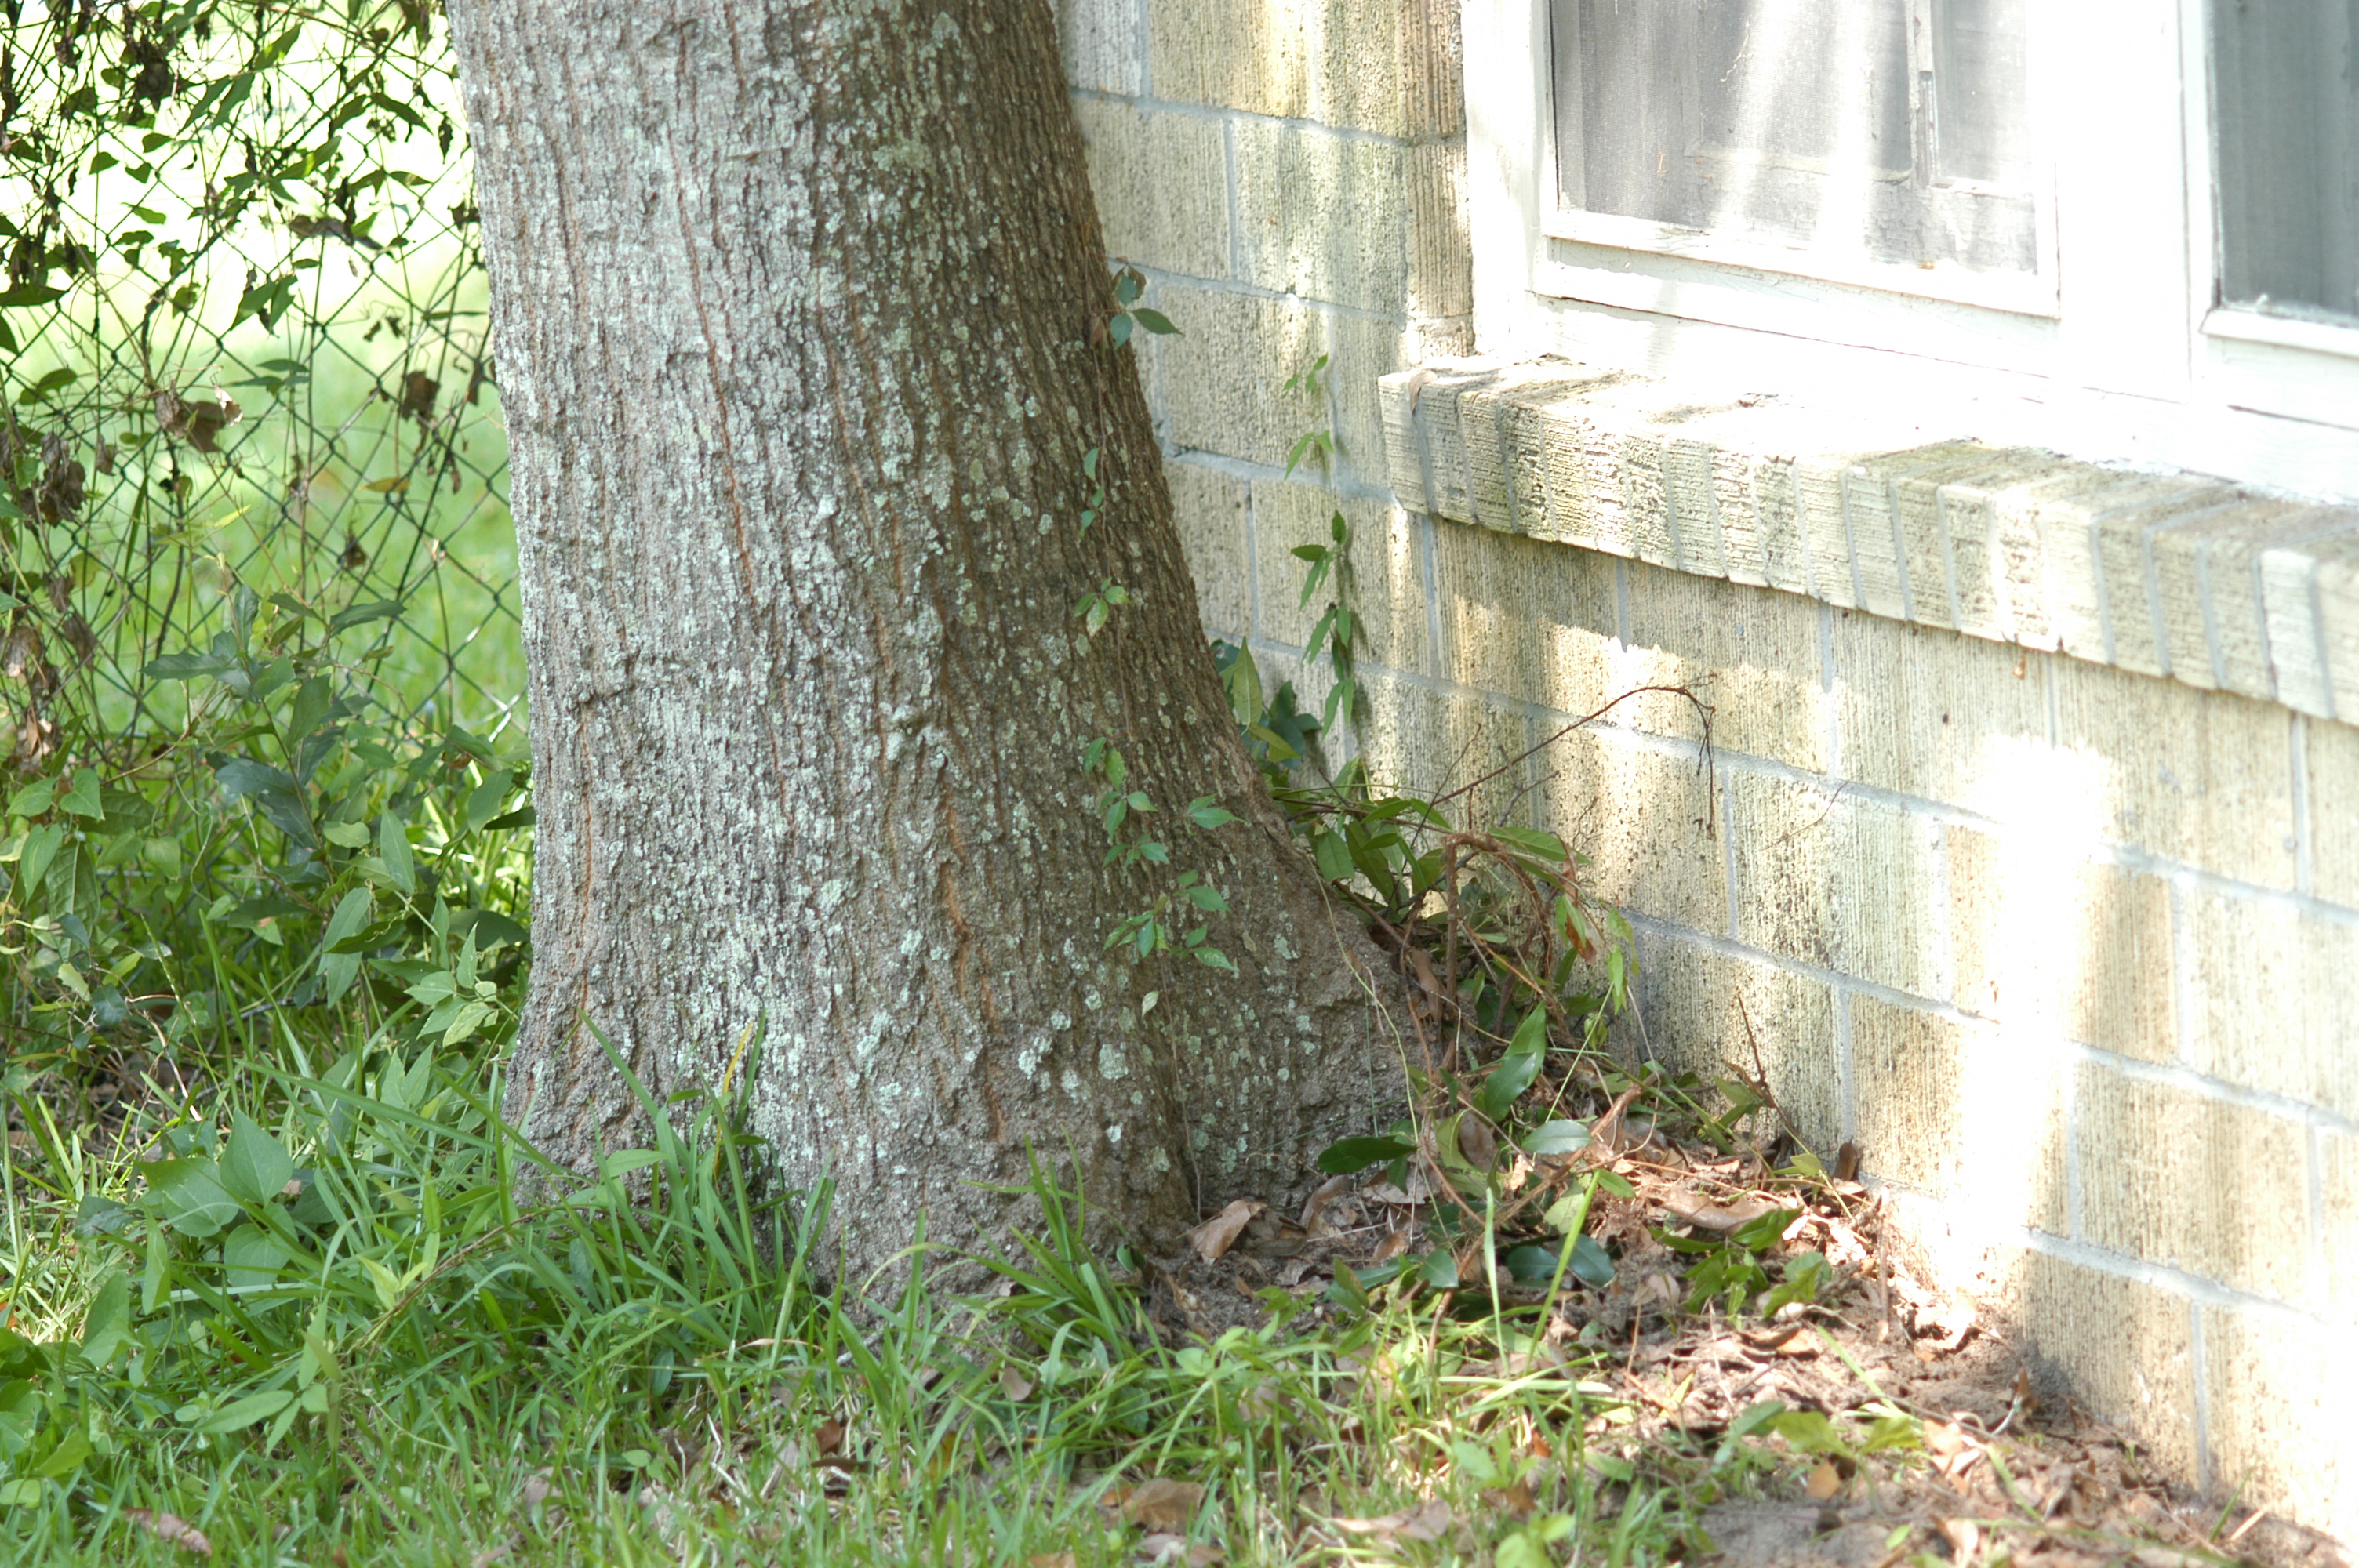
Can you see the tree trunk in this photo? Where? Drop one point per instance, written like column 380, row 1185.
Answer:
column 794, row 308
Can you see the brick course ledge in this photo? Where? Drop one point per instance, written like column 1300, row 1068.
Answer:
column 2164, row 574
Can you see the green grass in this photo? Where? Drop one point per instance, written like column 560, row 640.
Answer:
column 430, row 1368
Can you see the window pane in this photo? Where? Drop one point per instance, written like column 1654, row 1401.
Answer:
column 2286, row 84
column 1982, row 120
column 1888, row 130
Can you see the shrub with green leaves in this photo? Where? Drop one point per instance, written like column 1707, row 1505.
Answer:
column 256, row 590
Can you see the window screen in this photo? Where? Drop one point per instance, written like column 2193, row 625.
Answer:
column 1887, row 130
column 2286, row 96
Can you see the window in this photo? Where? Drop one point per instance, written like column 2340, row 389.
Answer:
column 1844, row 138
column 2286, row 98
column 2130, row 229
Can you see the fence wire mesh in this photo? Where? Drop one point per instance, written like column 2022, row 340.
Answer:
column 245, row 383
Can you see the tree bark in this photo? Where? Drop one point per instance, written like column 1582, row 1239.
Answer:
column 794, row 308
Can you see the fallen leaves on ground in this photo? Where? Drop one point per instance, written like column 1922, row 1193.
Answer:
column 1428, row 1521
column 1213, row 1238
column 1158, row 1504
column 171, row 1528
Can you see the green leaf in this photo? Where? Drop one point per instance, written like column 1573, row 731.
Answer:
column 393, row 846
column 1536, row 1265
column 40, row 848
column 360, row 614
column 1207, row 815
column 1764, row 1233
column 26, row 1493
column 1507, row 1082
column 1569, row 1213
column 1347, row 1155
column 1530, row 1264
column 350, row 835
column 1592, row 1264
column 1808, row 1432
column 466, row 1021
column 188, row 666
column 33, row 798
column 107, row 1323
column 1334, row 856
column 1156, row 322
column 1555, row 1138
column 81, row 796
column 1546, row 846
column 247, row 1411
column 484, row 802
column 189, row 1195
column 1804, row 1276
column 66, row 1458
column 1531, row 1034
column 338, row 968
column 252, row 1257
column 254, row 1166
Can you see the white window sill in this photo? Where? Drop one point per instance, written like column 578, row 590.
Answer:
column 2285, row 331
column 2029, row 294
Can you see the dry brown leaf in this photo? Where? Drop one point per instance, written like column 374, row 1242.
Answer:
column 1160, row 1505
column 1943, row 1439
column 1326, row 1193
column 1963, row 1535
column 1163, row 1546
column 1950, row 1326
column 1015, row 1384
column 1477, row 1144
column 829, row 1438
column 1824, row 1482
column 417, row 392
column 1694, row 1209
column 1050, row 1560
column 1394, row 1244
column 1428, row 1521
column 1218, row 1234
column 171, row 1528
column 1515, row 1498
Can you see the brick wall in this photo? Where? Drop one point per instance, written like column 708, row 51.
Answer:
column 2029, row 843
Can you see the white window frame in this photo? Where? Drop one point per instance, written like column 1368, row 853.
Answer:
column 2117, row 351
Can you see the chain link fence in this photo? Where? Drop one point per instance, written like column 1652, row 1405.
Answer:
column 245, row 387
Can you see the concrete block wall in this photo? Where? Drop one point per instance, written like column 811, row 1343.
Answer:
column 2027, row 845
column 1289, row 175
column 2022, row 845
